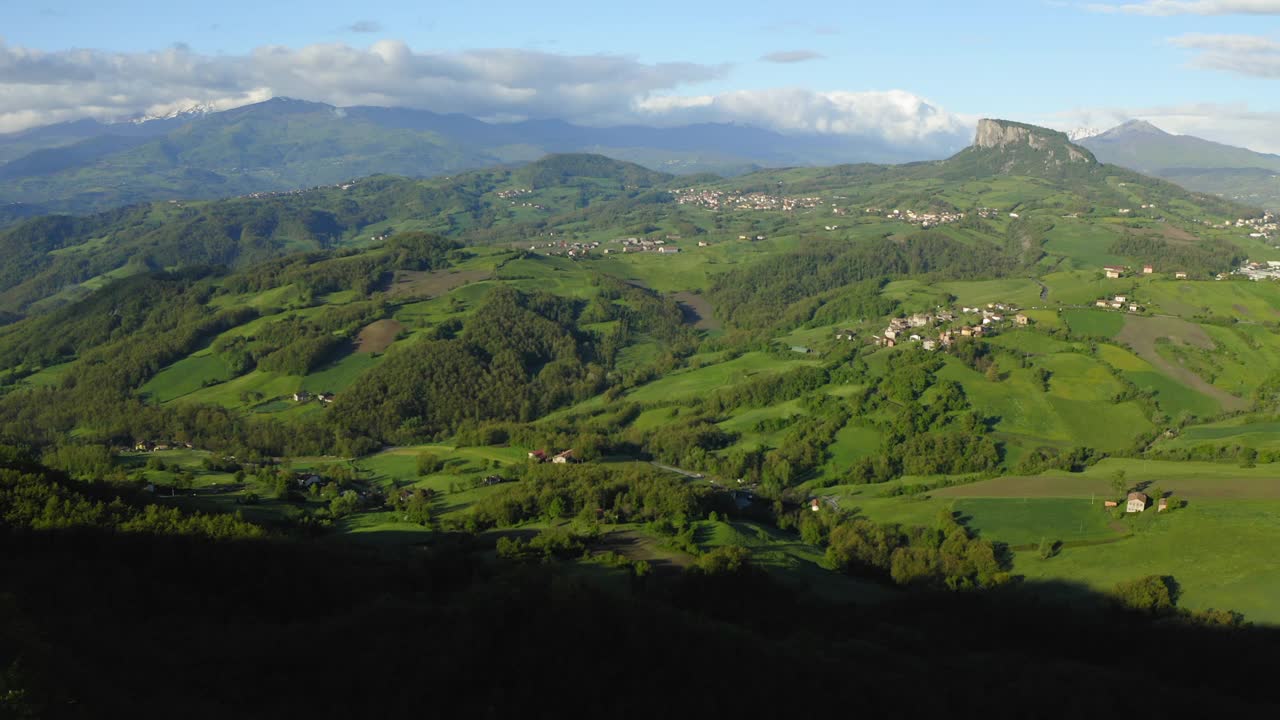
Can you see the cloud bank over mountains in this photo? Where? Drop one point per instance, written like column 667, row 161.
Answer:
column 38, row 88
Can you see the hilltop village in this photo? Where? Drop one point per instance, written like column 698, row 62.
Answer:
column 722, row 200
column 1260, row 228
column 578, row 249
column 941, row 329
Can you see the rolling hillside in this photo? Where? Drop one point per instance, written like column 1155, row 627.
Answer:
column 410, row 342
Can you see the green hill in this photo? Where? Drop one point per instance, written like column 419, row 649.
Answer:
column 1192, row 162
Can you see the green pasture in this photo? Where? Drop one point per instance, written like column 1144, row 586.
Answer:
column 1087, row 245
column 1260, row 435
column 48, row 377
column 1197, row 480
column 743, row 422
column 229, row 394
column 713, row 377
column 1023, row 292
column 1218, row 551
column 1254, row 301
column 1094, row 323
column 1071, row 413
column 853, row 442
column 916, row 296
column 1031, row 343
column 337, row 376
column 1024, row 521
column 187, row 376
column 1080, row 287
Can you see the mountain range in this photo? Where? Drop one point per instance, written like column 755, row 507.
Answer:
column 285, row 144
column 1197, row 164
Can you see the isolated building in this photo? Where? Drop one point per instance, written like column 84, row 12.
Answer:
column 1136, row 502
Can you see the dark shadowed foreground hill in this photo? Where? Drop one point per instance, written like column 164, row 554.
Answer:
column 111, row 625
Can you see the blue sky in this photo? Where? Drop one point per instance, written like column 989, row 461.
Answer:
column 1199, row 66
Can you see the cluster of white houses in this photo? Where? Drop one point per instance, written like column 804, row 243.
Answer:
column 924, row 219
column 1260, row 228
column 943, row 328
column 1118, row 271
column 569, row 249
column 1269, row 270
column 722, row 200
column 638, row 244
column 1118, row 302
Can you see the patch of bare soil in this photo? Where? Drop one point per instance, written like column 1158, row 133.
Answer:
column 419, row 283
column 378, row 336
column 1141, row 334
column 1172, row 233
column 635, row 546
column 698, row 311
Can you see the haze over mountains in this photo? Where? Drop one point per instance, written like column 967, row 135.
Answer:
column 285, row 144
column 1197, row 164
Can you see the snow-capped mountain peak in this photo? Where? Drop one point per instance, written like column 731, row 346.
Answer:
column 192, row 111
column 1081, row 133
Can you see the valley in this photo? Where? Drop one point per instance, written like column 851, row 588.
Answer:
column 754, row 359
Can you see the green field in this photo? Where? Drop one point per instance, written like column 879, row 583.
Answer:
column 1211, row 548
column 1260, row 435
column 1026, row 521
column 1094, row 323
column 702, row 380
column 1022, row 292
column 187, row 376
column 853, row 443
column 1071, row 412
column 1254, row 301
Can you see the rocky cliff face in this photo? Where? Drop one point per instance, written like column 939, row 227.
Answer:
column 1005, row 135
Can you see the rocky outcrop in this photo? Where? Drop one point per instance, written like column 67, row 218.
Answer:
column 1004, row 134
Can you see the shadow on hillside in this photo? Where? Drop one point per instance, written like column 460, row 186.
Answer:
column 247, row 629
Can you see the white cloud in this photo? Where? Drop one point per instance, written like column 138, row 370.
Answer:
column 1191, row 7
column 43, row 87
column 1228, row 43
column 1241, row 54
column 39, row 87
column 364, row 26
column 895, row 115
column 792, row 56
column 1233, row 124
